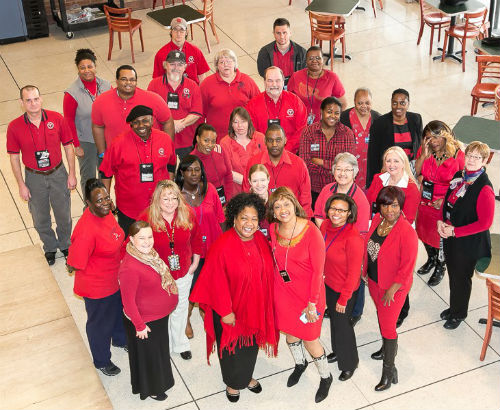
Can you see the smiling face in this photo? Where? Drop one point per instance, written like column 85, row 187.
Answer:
column 394, row 165
column 284, row 210
column 100, row 202
column 363, row 103
column 86, row 70
column 314, row 61
column 126, row 82
column 274, row 83
column 275, row 143
column 400, row 105
column 391, row 212
column 343, row 173
column 474, row 161
column 259, row 182
column 175, row 71
column 330, row 116
column 169, row 202
column 338, row 212
column 142, row 126
column 246, row 223
column 206, row 141
column 192, row 174
column 143, row 240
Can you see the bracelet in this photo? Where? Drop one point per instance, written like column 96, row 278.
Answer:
column 101, row 155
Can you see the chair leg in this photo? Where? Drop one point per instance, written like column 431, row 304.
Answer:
column 486, row 342
column 290, row 2
column 374, row 9
column 212, row 25
column 120, row 40
column 439, row 33
column 132, row 46
column 343, row 48
column 110, row 48
column 432, row 40
column 420, row 32
column 473, row 108
column 463, row 55
column 154, row 4
column 445, row 43
column 142, row 41
column 206, row 36
column 163, row 3
column 381, row 4
column 332, row 54
column 191, row 32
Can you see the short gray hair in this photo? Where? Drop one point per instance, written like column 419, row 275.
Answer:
column 226, row 52
column 350, row 159
column 363, row 90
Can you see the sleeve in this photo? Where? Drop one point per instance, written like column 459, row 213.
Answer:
column 319, row 207
column 158, row 65
column 81, row 248
column 129, row 282
column 364, row 212
column 338, row 88
column 205, row 95
column 65, row 133
column 262, row 61
column 197, row 102
column 354, row 249
column 172, row 162
column 305, row 191
column 13, row 146
column 316, row 253
column 245, row 185
column 300, row 123
column 69, row 110
column 97, row 114
column 412, row 202
column 151, row 86
column 201, row 65
column 374, row 151
column 107, row 167
column 344, row 117
column 305, row 149
column 253, row 89
column 228, row 176
column 408, row 248
column 219, row 212
column 162, row 112
column 371, row 192
column 485, row 208
column 291, row 85
column 252, row 109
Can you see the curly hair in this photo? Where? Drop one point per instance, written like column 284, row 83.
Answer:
column 85, row 54
column 242, row 201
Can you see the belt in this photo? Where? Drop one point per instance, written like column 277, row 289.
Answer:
column 48, row 172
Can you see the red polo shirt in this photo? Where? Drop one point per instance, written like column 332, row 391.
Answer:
column 189, row 103
column 123, row 158
column 110, row 111
column 284, row 61
column 291, row 172
column 196, row 63
column 220, row 98
column 25, row 138
column 290, row 111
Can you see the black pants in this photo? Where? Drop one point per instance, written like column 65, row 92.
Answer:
column 196, row 273
column 124, row 221
column 314, row 198
column 460, row 270
column 406, row 308
column 342, row 333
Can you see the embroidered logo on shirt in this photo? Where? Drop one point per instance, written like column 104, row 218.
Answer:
column 161, row 152
column 186, row 92
column 50, row 125
column 116, row 235
column 190, row 59
column 290, row 112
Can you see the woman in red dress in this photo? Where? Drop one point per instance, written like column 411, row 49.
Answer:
column 235, row 289
column 440, row 158
column 299, row 288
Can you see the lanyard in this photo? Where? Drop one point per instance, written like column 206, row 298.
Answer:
column 350, row 192
column 137, row 147
column 42, row 121
column 310, row 101
column 335, row 237
column 97, row 91
column 171, row 239
column 276, row 177
column 287, row 248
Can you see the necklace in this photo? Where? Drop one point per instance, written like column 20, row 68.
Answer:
column 438, row 159
column 384, row 230
column 193, row 195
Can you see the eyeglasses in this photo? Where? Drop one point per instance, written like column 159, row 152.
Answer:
column 344, row 171
column 474, row 157
column 339, row 211
column 225, row 61
column 313, row 58
column 127, row 80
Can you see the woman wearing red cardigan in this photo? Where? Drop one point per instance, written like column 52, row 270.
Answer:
column 392, row 246
column 344, row 258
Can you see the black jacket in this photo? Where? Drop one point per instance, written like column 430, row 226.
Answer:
column 265, row 57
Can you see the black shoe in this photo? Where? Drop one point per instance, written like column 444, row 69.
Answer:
column 497, row 197
column 389, row 377
column 400, row 321
column 332, row 358
column 65, row 252
column 445, row 314
column 427, row 266
column 379, row 354
column 323, row 389
column 327, row 313
column 159, row 397
column 346, row 375
column 110, row 370
column 452, row 323
column 187, row 355
column 354, row 320
column 256, row 388
column 294, row 378
column 51, row 258
column 437, row 275
column 232, row 397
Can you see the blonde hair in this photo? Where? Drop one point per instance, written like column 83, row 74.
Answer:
column 225, row 52
column 403, row 157
column 183, row 218
column 482, row 148
column 283, row 192
column 256, row 168
column 440, row 129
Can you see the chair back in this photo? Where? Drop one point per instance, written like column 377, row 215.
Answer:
column 208, row 8
column 497, row 103
column 475, row 20
column 493, row 299
column 488, row 67
column 322, row 26
column 118, row 19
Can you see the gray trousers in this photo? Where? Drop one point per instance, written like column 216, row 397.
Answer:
column 88, row 164
column 50, row 191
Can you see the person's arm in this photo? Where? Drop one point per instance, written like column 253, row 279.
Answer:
column 15, row 164
column 99, row 139
column 201, row 77
column 425, row 153
column 129, row 283
column 300, row 124
column 354, row 251
column 188, row 120
column 304, row 196
column 169, row 128
column 237, row 177
column 485, row 208
column 316, row 254
column 70, row 158
column 69, row 110
column 306, row 139
column 343, row 101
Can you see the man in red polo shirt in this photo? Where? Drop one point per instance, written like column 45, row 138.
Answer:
column 138, row 159
column 197, row 66
column 37, row 135
column 183, row 97
column 282, row 52
column 111, row 108
column 285, row 168
column 276, row 106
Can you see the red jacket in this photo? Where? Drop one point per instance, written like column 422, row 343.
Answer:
column 397, row 256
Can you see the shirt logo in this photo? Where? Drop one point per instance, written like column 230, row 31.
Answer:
column 190, row 59
column 116, row 235
column 186, row 92
column 50, row 125
column 161, row 152
column 290, row 112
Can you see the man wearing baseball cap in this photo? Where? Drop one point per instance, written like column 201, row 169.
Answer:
column 196, row 66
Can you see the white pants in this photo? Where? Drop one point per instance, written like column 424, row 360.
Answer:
column 178, row 318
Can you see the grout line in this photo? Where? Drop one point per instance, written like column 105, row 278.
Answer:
column 44, row 323
column 185, row 384
column 10, row 72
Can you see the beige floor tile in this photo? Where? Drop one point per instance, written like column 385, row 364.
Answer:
column 9, row 110
column 10, row 219
column 14, row 240
column 8, row 88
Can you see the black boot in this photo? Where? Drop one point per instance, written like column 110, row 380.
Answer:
column 379, row 354
column 299, row 356
column 432, row 254
column 389, row 371
column 437, row 275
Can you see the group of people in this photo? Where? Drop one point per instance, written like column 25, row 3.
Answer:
column 270, row 211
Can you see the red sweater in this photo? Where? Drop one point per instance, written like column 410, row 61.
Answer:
column 344, row 259
column 144, row 300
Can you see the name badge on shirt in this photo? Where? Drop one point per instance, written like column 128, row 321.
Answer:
column 173, row 262
column 284, row 275
column 314, row 147
column 310, row 118
column 222, row 194
column 273, row 121
column 427, row 189
column 146, row 172
column 42, row 158
column 367, row 139
column 374, row 208
column 173, row 101
column 264, row 231
column 272, row 190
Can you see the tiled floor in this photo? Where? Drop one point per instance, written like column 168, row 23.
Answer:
column 437, row 368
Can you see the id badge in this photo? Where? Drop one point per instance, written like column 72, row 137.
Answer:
column 173, row 101
column 264, row 231
column 146, row 172
column 272, row 190
column 374, row 208
column 427, row 189
column 42, row 158
column 284, row 275
column 173, row 262
column 273, row 121
column 314, row 147
column 310, row 118
column 222, row 194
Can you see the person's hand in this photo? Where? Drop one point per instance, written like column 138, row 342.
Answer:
column 143, row 334
column 426, row 149
column 71, row 181
column 24, row 192
column 79, row 152
column 437, row 203
column 191, row 269
column 339, row 308
column 389, row 294
column 229, row 319
column 317, row 161
column 364, row 279
column 179, row 125
column 311, row 313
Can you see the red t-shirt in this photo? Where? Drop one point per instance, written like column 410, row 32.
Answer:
column 95, row 254
column 289, row 109
column 189, row 103
column 123, row 159
column 220, row 98
column 284, row 61
column 196, row 63
column 25, row 138
column 110, row 111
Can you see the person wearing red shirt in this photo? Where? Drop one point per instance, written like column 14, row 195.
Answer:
column 37, row 135
column 275, row 106
column 299, row 288
column 242, row 143
column 138, row 159
column 392, row 246
column 225, row 90
column 344, row 260
column 285, row 168
column 217, row 164
column 177, row 239
column 314, row 83
column 77, row 107
column 197, row 66
column 149, row 295
column 110, row 109
column 235, row 289
column 183, row 97
column 94, row 256
column 321, row 142
column 258, row 177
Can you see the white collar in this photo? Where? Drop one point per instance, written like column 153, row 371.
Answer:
column 403, row 182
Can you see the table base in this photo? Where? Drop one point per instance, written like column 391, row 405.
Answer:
column 496, row 323
column 449, row 55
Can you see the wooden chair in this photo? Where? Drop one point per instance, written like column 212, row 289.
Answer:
column 497, row 103
column 474, row 25
column 163, row 3
column 493, row 313
column 488, row 79
column 373, row 7
column 208, row 12
column 433, row 19
column 326, row 27
column 121, row 21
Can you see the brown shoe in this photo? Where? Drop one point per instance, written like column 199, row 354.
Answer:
column 189, row 330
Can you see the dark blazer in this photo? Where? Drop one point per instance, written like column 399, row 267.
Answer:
column 382, row 137
column 344, row 117
column 265, row 57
